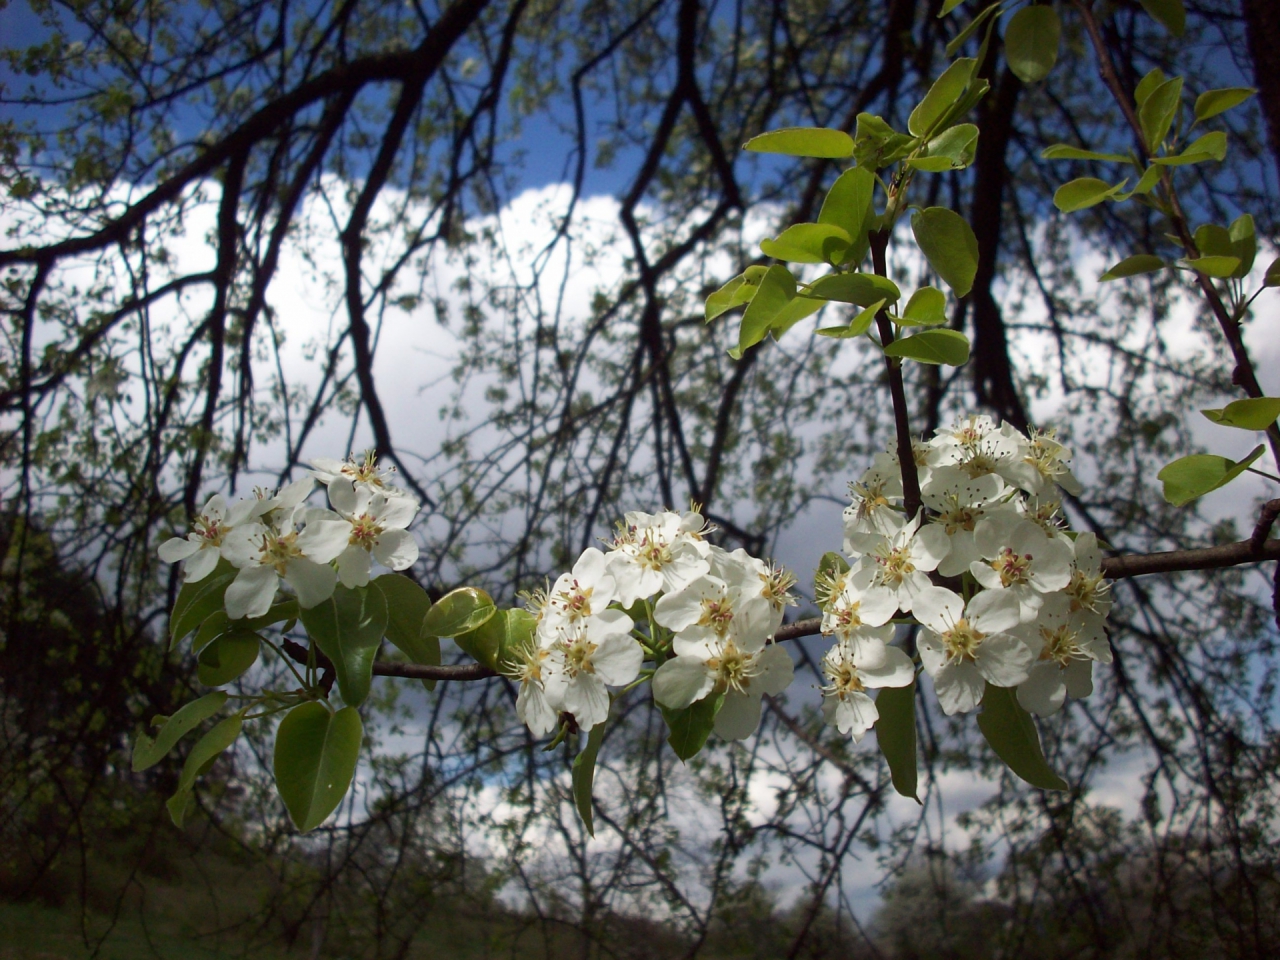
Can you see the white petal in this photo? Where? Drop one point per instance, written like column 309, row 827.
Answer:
column 681, row 681
column 533, row 709
column 777, row 671
column 176, row 549
column 894, row 670
column 617, row 659
column 251, row 592
column 994, row 611
column 959, row 687
column 396, row 549
column 1043, row 692
column 201, row 565
column 243, row 544
column 353, row 567
column 313, row 582
column 938, row 608
column 324, row 538
column 855, row 715
column 933, row 654
column 215, row 508
column 739, row 717
column 394, row 512
column 1004, row 660
column 929, row 547
column 587, row 699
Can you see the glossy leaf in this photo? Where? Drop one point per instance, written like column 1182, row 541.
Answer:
column 733, row 294
column 803, row 142
column 1212, row 146
column 584, row 773
column 1256, row 413
column 1013, row 736
column 458, row 611
column 857, row 326
column 1031, row 42
column 1157, row 114
column 1188, row 478
column 953, row 149
column 1272, row 277
column 793, row 313
column 201, row 758
column 1214, row 241
column 1213, row 102
column 198, row 601
column 777, row 290
column 148, row 751
column 927, row 307
column 1244, row 244
column 832, row 563
column 1147, row 85
column 1082, row 193
column 1146, row 183
column 348, row 629
column 809, row 243
column 1220, row 267
column 945, row 92
column 1139, row 263
column 220, row 623
column 407, row 608
column 876, row 144
column 315, row 760
column 690, row 727
column 849, row 201
column 932, row 346
column 863, row 289
column 959, row 39
column 492, row 642
column 896, row 736
column 228, row 656
column 949, row 244
column 1169, row 13
column 1061, row 151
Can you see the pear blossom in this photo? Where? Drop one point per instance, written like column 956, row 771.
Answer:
column 1018, row 559
column 202, row 547
column 1043, row 465
column 532, row 706
column 374, row 528
column 588, row 589
column 584, row 657
column 363, row 471
column 707, row 608
column 979, row 447
column 657, row 552
column 850, row 671
column 1065, row 643
column 962, row 647
column 1088, row 589
column 857, row 615
column 872, row 513
column 960, row 502
column 902, row 563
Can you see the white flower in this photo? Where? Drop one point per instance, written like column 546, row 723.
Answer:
column 978, row 447
column 584, row 656
column 362, row 471
column 1018, row 559
column 374, row 528
column 532, row 706
column 1087, row 589
column 852, row 613
column 202, row 547
column 872, row 513
column 1044, row 464
column 850, row 671
column 901, row 563
column 587, row 590
column 657, row 552
column 1065, row 642
column 708, row 608
column 963, row 647
column 960, row 502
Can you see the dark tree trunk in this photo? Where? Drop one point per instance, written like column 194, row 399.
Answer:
column 1262, row 25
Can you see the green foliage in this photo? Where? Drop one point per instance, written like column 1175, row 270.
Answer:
column 1190, row 477
column 950, row 246
column 228, row 657
column 584, row 772
column 862, row 289
column 201, row 758
column 690, row 727
column 1213, row 102
column 198, row 601
column 1084, row 192
column 939, row 103
column 856, row 327
column 407, row 608
column 492, row 642
column 950, row 347
column 315, row 759
column 148, row 751
column 896, row 736
column 927, row 307
column 457, row 612
column 1158, row 111
column 803, row 142
column 1012, row 734
column 1031, row 42
column 1254, row 413
column 348, row 628
column 1136, row 265
column 1171, row 14
column 876, row 145
column 809, row 243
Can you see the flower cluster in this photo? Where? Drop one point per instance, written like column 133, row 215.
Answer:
column 1034, row 601
column 710, row 616
column 271, row 536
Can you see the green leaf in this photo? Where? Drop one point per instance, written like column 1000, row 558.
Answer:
column 458, row 611
column 896, row 736
column 691, row 726
column 584, row 773
column 492, row 642
column 1256, row 413
column 1220, row 267
column 777, row 290
column 932, row 346
column 148, row 751
column 198, row 601
column 942, row 96
column 1214, row 241
column 1244, row 244
column 1156, row 116
column 948, row 6
column 733, row 294
column 1169, row 13
column 803, row 142
column 876, row 144
column 407, row 608
column 1212, row 146
column 1031, row 42
column 927, row 307
column 348, row 629
column 959, row 39
column 1188, row 478
column 949, row 244
column 315, row 758
column 809, row 243
column 1272, row 276
column 1082, row 193
column 1146, row 183
column 831, row 564
column 849, row 201
column 953, row 149
column 1012, row 734
column 228, row 656
column 1133, row 266
column 1147, row 85
column 1213, row 102
column 201, row 758
column 220, row 623
column 793, row 313
column 1061, row 151
column 857, row 326
column 863, row 289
